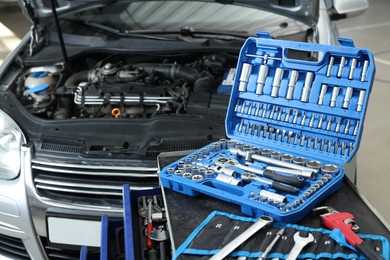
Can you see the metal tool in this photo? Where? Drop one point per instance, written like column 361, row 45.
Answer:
column 266, row 107
column 263, row 256
column 364, row 71
column 345, row 222
column 258, row 109
column 149, row 242
column 246, row 71
column 296, row 137
column 291, row 84
column 280, row 113
column 329, row 124
column 287, row 118
column 249, row 177
column 243, row 107
column 303, row 121
column 352, row 68
column 230, row 162
column 341, row 66
column 347, row 97
column 360, row 100
column 240, row 126
column 300, row 242
column 347, row 126
column 321, row 121
column 292, row 171
column 329, row 69
column 227, row 179
column 250, row 108
column 259, row 224
column 261, row 77
column 296, row 115
column 356, row 129
column 303, row 139
column 307, row 87
column 306, row 172
column 237, row 105
column 338, row 126
column 271, row 115
column 335, row 94
column 247, row 128
column 311, row 123
column 324, row 89
column 259, row 129
column 276, row 83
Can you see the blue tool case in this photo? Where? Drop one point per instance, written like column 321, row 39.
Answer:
column 295, row 115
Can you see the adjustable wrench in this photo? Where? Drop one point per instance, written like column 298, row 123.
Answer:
column 300, row 243
column 292, row 180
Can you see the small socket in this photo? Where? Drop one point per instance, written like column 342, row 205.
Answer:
column 244, row 76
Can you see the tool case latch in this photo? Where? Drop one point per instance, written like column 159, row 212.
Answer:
column 263, row 35
column 346, row 42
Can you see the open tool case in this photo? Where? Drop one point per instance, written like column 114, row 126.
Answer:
column 291, row 123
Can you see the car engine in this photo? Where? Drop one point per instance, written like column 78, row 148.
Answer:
column 125, row 87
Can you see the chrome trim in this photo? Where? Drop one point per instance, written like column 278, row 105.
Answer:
column 46, row 187
column 113, row 174
column 95, row 167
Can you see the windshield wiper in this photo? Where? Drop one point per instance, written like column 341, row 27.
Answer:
column 115, row 32
column 192, row 32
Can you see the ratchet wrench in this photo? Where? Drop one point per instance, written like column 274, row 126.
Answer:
column 296, row 181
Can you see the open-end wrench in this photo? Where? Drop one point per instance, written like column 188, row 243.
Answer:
column 296, row 181
column 244, row 236
column 300, row 243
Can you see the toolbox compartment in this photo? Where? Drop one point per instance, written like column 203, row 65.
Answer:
column 311, row 109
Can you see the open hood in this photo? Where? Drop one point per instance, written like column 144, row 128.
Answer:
column 39, row 11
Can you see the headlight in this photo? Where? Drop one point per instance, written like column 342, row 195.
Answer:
column 11, row 139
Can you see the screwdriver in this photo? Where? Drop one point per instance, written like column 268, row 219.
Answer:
column 271, row 245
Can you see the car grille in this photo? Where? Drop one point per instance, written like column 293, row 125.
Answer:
column 89, row 184
column 13, row 248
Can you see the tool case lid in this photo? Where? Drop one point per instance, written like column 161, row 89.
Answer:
column 340, row 127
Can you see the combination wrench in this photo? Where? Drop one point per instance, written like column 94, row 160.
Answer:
column 300, row 243
column 244, row 236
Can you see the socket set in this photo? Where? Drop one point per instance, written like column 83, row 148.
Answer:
column 291, row 123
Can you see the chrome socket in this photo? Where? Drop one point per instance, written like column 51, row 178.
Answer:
column 262, row 76
column 330, row 169
column 333, row 99
column 299, row 161
column 228, row 179
column 287, row 158
column 276, row 83
column 273, row 196
column 187, row 175
column 307, row 87
column 276, row 155
column 313, row 164
column 244, row 77
column 291, row 84
column 197, row 177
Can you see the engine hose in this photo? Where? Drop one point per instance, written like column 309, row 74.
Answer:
column 76, row 78
column 171, row 71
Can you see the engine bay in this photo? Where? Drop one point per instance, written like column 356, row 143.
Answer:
column 127, row 86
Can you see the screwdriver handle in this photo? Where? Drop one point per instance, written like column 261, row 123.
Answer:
column 295, row 181
column 149, row 242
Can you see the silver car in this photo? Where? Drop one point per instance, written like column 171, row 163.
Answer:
column 97, row 89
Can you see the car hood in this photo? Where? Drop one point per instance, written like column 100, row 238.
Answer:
column 39, row 11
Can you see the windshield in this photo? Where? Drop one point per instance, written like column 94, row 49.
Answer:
column 174, row 15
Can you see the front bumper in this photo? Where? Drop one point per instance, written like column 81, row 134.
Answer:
column 23, row 210
column 15, row 215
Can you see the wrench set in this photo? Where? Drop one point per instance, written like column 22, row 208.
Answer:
column 291, row 123
column 222, row 234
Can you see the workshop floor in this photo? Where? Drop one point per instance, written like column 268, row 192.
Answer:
column 370, row 30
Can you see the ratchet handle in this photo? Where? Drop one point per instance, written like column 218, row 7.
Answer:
column 283, row 187
column 296, row 181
